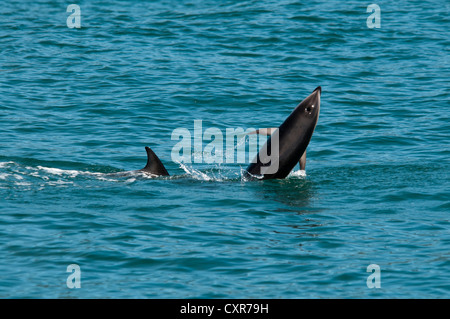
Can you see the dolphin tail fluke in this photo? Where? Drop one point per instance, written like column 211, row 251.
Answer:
column 302, row 161
column 154, row 164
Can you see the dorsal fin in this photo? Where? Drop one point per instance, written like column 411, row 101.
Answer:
column 154, row 165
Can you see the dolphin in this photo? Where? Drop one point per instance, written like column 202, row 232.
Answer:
column 154, row 165
column 290, row 141
column 287, row 143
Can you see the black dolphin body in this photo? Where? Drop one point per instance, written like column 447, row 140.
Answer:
column 292, row 139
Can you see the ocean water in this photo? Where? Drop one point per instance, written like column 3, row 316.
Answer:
column 78, row 105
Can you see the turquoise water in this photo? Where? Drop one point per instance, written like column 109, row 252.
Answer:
column 78, row 106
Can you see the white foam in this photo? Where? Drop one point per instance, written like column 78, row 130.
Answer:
column 292, row 174
column 245, row 177
column 4, row 164
column 59, row 183
column 195, row 173
column 299, row 173
column 22, row 183
column 59, row 172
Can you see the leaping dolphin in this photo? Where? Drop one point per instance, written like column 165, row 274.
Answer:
column 289, row 143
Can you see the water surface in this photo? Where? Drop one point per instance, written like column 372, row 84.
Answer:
column 78, row 106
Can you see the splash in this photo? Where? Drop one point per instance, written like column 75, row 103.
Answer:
column 196, row 174
column 297, row 174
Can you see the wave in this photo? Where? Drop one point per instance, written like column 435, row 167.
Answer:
column 23, row 175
